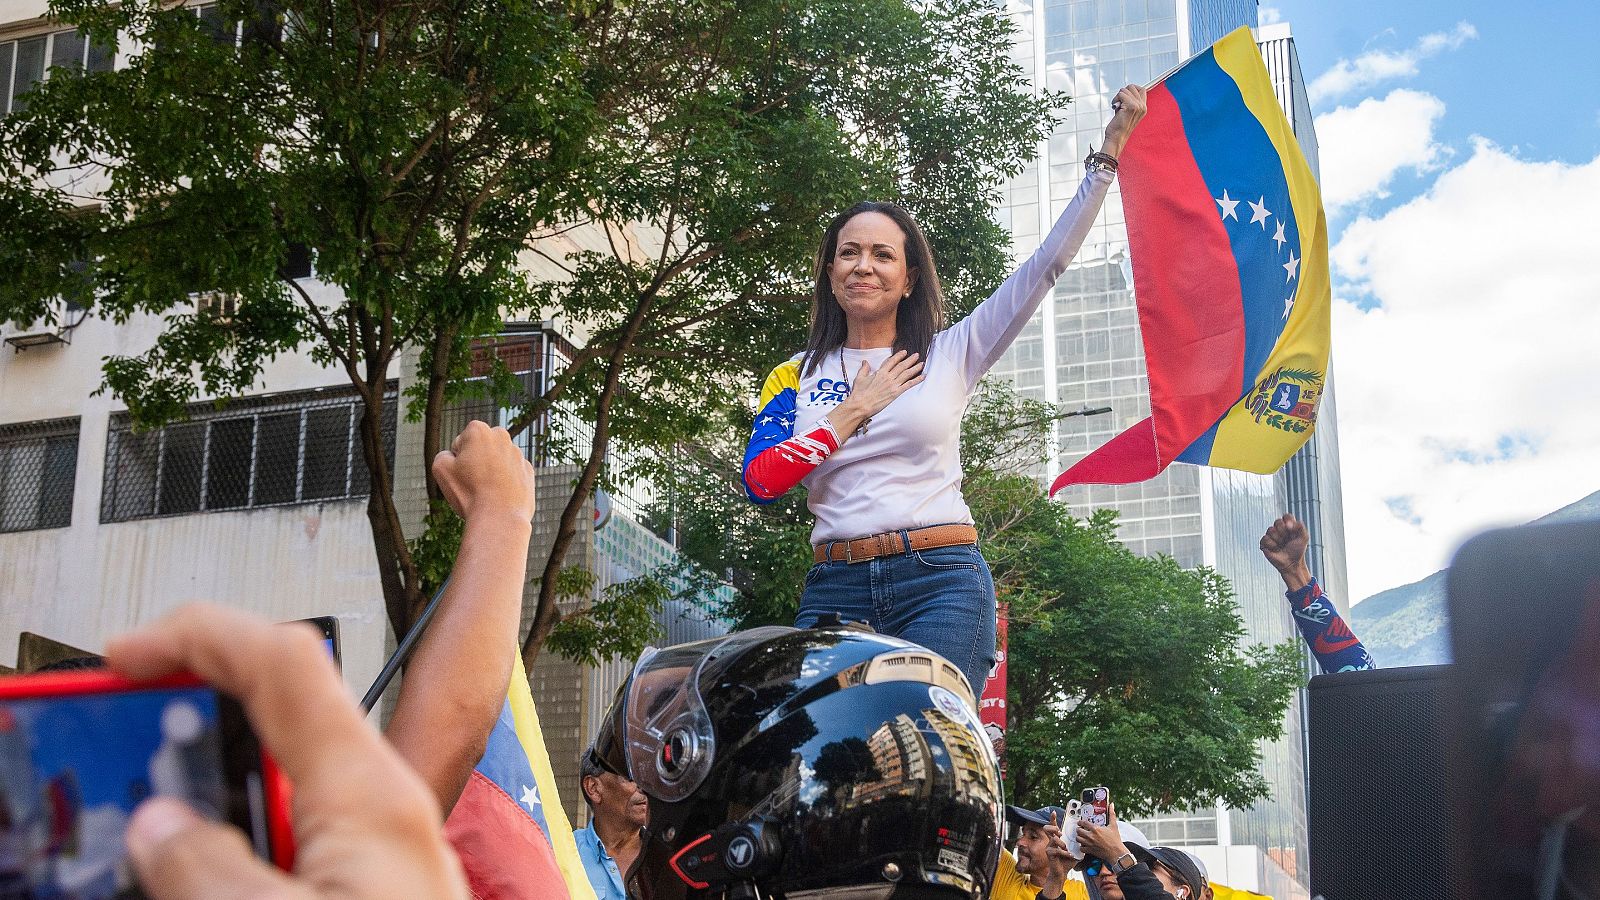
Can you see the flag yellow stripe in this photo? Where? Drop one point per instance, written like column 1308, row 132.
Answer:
column 526, row 720
column 1243, row 441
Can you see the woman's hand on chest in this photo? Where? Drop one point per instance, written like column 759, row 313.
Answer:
column 871, row 391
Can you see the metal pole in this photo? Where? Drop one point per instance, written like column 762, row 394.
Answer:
column 408, row 644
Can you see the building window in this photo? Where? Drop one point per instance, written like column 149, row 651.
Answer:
column 27, row 61
column 303, row 447
column 38, row 467
column 261, row 27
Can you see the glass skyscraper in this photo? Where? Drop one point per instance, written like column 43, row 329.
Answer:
column 1083, row 351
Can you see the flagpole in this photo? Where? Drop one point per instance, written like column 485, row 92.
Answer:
column 402, row 653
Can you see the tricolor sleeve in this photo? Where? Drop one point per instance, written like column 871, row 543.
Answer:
column 1335, row 646
column 776, row 458
column 977, row 341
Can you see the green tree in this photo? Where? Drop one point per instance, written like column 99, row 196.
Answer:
column 1124, row 670
column 423, row 150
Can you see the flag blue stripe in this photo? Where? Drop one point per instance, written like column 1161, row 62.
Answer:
column 1235, row 154
column 774, row 424
column 505, row 762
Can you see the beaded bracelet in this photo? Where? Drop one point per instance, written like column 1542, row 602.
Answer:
column 1096, row 161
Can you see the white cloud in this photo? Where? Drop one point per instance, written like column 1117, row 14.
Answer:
column 1467, row 394
column 1361, row 148
column 1268, row 15
column 1378, row 66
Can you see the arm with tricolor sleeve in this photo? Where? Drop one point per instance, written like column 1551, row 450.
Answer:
column 776, row 459
column 1335, row 646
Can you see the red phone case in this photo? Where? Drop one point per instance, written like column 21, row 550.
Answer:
column 275, row 786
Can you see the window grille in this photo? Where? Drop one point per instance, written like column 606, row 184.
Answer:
column 561, row 436
column 38, row 468
column 26, row 61
column 303, row 447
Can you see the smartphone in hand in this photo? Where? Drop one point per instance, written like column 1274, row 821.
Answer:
column 328, row 627
column 80, row 750
column 1095, row 808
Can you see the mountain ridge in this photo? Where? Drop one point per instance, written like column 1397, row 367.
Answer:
column 1409, row 626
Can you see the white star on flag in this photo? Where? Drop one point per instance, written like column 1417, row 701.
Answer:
column 1228, row 206
column 530, row 797
column 1278, row 238
column 1258, row 213
column 1292, row 266
column 1288, row 305
column 765, row 419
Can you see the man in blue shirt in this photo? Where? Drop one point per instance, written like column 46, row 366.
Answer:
column 618, row 812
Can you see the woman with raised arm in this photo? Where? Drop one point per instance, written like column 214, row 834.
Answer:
column 868, row 417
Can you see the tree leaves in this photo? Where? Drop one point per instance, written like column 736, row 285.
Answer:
column 667, row 165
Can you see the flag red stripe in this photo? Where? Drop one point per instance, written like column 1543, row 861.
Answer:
column 1125, row 459
column 505, row 854
column 1191, row 307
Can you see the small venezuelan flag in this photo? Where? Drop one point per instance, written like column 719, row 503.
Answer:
column 509, row 829
column 1229, row 247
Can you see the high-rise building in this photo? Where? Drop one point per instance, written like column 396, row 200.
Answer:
column 1083, row 350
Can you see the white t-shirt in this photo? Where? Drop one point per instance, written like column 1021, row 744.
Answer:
column 905, row 472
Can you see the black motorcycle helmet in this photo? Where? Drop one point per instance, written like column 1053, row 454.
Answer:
column 785, row 763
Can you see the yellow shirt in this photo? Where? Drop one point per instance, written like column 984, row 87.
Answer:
column 1009, row 884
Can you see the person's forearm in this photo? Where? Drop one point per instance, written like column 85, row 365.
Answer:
column 1296, row 576
column 455, row 684
column 995, row 323
column 1113, row 143
column 1139, row 883
column 845, row 419
column 1331, row 640
column 776, row 470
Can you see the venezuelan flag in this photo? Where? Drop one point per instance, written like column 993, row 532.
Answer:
column 509, row 829
column 1229, row 247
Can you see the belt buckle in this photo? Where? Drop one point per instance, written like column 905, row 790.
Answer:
column 847, row 556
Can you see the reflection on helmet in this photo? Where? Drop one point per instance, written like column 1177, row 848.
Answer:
column 791, row 763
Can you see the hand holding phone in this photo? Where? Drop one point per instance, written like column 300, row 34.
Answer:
column 365, row 825
column 1094, row 809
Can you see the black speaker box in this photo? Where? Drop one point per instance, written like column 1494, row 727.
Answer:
column 1379, row 805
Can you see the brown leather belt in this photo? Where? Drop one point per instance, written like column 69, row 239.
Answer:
column 890, row 543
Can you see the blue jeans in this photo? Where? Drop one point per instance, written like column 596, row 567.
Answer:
column 941, row 598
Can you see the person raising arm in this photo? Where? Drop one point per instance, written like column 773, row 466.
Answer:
column 1335, row 646
column 868, row 418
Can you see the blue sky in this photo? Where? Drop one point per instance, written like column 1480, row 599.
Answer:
column 1531, row 80
column 1460, row 153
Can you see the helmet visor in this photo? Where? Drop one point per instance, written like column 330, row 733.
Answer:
column 670, row 741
